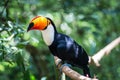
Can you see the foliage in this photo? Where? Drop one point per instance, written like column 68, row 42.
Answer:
column 92, row 23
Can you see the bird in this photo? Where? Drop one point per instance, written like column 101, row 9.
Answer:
column 61, row 45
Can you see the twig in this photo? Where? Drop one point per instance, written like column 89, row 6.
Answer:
column 63, row 76
column 71, row 73
column 106, row 50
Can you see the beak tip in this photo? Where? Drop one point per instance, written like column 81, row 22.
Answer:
column 30, row 26
column 27, row 30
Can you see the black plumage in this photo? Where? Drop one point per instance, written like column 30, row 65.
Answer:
column 69, row 51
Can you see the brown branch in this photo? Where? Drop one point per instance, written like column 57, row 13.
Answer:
column 71, row 73
column 106, row 50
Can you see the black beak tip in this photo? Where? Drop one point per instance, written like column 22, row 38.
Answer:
column 28, row 30
column 30, row 26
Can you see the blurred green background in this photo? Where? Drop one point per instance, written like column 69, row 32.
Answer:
column 92, row 23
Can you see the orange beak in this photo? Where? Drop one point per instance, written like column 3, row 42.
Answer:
column 38, row 23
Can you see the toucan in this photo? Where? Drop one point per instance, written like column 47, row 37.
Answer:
column 61, row 45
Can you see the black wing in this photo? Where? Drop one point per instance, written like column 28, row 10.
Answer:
column 68, row 49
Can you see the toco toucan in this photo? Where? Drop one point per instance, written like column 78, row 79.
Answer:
column 61, row 45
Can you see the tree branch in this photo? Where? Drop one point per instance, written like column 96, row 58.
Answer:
column 71, row 73
column 106, row 50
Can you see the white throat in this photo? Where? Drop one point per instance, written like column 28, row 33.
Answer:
column 48, row 35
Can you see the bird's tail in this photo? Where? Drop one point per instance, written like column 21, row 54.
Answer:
column 86, row 71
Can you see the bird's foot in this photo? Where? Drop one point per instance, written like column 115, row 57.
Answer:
column 65, row 64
